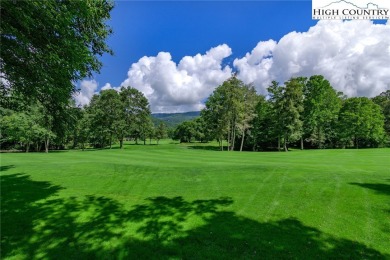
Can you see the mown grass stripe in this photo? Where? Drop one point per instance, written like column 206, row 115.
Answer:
column 200, row 203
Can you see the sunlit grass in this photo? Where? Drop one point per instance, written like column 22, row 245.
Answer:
column 188, row 201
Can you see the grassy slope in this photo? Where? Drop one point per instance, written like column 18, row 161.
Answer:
column 173, row 201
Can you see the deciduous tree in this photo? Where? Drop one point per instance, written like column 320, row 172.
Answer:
column 48, row 45
column 321, row 106
column 361, row 120
column 291, row 107
column 275, row 100
column 136, row 112
column 224, row 110
column 161, row 132
column 383, row 100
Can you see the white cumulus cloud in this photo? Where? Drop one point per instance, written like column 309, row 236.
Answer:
column 87, row 90
column 353, row 55
column 108, row 86
column 254, row 67
column 172, row 87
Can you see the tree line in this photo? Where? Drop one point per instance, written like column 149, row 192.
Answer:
column 110, row 117
column 47, row 46
column 303, row 112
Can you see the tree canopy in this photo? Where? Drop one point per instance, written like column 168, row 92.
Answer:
column 305, row 110
column 301, row 112
column 46, row 46
column 229, row 110
column 321, row 106
column 361, row 121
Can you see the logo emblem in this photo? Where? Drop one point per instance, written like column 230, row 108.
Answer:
column 350, row 9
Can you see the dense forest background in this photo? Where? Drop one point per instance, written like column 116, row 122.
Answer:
column 302, row 113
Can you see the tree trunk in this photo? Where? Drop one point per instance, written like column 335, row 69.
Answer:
column 47, row 141
column 242, row 140
column 121, row 143
column 285, row 144
column 233, row 138
column 228, row 140
column 278, row 143
column 27, row 147
column 221, row 143
column 301, row 143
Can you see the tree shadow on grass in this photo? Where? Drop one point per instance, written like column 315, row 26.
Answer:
column 205, row 147
column 380, row 188
column 94, row 227
column 18, row 195
column 56, row 151
column 4, row 168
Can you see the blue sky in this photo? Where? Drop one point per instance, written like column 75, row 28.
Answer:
column 178, row 52
column 144, row 28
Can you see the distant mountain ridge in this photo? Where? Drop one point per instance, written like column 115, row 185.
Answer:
column 174, row 119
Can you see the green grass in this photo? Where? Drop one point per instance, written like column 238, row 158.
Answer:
column 177, row 201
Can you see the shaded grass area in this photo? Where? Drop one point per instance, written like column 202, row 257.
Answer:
column 378, row 187
column 171, row 202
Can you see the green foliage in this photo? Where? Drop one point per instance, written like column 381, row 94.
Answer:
column 185, row 132
column 286, row 103
column 189, row 131
column 291, row 109
column 161, row 132
column 115, row 116
column 361, row 121
column 107, row 111
column 248, row 112
column 302, row 109
column 82, row 130
column 383, row 100
column 48, row 45
column 276, row 96
column 136, row 112
column 264, row 130
column 27, row 128
column 229, row 111
column 321, row 107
